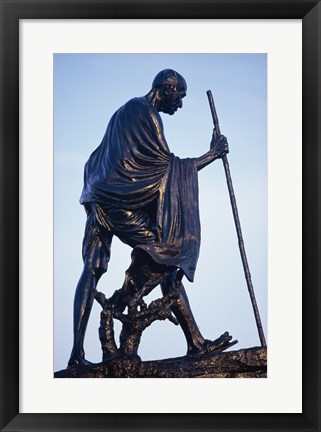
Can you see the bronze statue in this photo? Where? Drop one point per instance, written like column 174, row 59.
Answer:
column 136, row 189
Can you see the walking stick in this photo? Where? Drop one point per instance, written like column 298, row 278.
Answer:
column 238, row 225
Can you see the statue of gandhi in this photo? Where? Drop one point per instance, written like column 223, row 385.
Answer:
column 136, row 189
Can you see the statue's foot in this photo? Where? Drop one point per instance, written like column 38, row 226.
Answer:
column 222, row 343
column 218, row 345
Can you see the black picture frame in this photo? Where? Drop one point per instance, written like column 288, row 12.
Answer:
column 11, row 12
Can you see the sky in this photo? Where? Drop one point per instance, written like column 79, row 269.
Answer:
column 88, row 89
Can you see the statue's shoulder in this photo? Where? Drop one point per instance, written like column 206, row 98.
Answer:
column 140, row 109
column 141, row 105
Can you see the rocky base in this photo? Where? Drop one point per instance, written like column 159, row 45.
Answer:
column 244, row 363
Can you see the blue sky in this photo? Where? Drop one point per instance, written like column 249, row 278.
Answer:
column 88, row 89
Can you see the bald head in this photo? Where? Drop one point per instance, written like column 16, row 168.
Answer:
column 169, row 77
column 168, row 90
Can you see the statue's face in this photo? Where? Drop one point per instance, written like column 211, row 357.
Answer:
column 172, row 99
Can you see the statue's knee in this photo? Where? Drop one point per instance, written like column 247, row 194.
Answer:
column 95, row 268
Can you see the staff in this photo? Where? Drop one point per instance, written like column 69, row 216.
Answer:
column 237, row 225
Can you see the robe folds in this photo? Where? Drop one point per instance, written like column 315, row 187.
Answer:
column 133, row 167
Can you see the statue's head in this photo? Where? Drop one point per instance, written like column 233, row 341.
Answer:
column 171, row 88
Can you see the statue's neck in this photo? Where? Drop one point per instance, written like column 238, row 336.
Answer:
column 153, row 98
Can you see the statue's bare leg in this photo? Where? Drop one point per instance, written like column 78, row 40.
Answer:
column 96, row 259
column 83, row 301
column 182, row 311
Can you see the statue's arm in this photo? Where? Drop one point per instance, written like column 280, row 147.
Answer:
column 219, row 148
column 205, row 159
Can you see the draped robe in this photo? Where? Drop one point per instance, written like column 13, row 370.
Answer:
column 133, row 167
